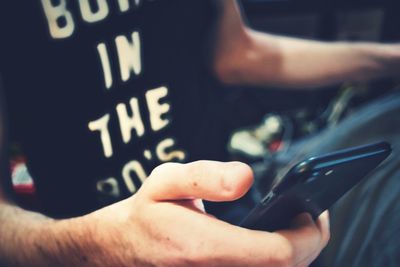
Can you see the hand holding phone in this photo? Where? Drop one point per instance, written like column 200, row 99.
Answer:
column 314, row 185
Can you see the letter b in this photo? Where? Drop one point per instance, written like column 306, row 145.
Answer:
column 55, row 15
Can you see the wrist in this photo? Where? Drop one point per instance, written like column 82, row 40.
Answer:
column 87, row 241
column 23, row 235
column 70, row 243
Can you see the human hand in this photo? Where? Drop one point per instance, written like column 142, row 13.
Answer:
column 165, row 224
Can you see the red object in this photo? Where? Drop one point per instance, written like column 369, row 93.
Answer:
column 275, row 145
column 23, row 184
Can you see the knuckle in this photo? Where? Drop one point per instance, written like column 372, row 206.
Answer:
column 235, row 179
column 228, row 189
column 231, row 188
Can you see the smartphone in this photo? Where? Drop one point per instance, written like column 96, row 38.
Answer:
column 313, row 185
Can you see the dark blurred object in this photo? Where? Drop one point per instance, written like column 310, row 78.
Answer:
column 276, row 131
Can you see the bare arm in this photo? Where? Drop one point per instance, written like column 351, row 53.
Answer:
column 245, row 56
column 164, row 224
column 19, row 229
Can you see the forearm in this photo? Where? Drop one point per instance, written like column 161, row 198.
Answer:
column 294, row 62
column 162, row 225
column 22, row 237
column 246, row 57
column 30, row 239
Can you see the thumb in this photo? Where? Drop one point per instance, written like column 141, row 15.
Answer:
column 209, row 180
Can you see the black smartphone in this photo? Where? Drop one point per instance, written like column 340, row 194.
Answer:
column 313, row 185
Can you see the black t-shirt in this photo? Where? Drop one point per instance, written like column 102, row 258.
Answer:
column 102, row 91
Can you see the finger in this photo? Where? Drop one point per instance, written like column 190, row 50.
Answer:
column 233, row 246
column 209, row 180
column 323, row 226
column 309, row 260
column 305, row 237
column 228, row 245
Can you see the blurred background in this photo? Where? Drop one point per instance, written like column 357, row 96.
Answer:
column 262, row 124
column 267, row 120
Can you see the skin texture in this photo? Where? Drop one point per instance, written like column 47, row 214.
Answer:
column 164, row 224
